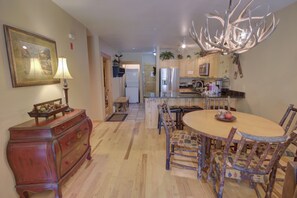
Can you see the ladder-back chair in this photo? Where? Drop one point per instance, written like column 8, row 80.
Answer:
column 247, row 164
column 178, row 142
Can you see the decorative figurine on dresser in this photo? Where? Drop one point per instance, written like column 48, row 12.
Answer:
column 44, row 153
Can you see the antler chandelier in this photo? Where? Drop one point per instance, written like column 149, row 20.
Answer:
column 237, row 34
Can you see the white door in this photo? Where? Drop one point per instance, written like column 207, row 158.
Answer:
column 132, row 85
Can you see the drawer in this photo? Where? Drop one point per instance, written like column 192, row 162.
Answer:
column 71, row 158
column 77, row 135
column 61, row 128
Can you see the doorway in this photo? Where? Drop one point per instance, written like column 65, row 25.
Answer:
column 149, row 79
column 107, row 75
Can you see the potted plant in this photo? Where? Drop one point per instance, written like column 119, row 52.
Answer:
column 167, row 55
column 179, row 56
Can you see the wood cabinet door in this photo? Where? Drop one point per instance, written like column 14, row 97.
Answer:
column 212, row 59
column 224, row 63
column 187, row 67
column 169, row 63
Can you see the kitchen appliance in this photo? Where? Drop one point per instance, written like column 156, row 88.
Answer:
column 169, row 80
column 215, row 88
column 204, row 69
column 132, row 85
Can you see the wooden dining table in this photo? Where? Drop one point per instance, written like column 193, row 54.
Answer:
column 208, row 127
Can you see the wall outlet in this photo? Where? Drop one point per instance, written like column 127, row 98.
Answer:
column 190, row 72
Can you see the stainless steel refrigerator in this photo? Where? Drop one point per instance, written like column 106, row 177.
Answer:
column 169, row 80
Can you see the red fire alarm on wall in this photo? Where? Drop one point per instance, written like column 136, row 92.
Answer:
column 71, row 37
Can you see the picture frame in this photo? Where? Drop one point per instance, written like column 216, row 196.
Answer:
column 32, row 58
column 204, row 69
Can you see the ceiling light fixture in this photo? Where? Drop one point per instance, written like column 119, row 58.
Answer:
column 236, row 34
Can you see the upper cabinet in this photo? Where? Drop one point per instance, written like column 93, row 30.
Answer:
column 169, row 63
column 189, row 68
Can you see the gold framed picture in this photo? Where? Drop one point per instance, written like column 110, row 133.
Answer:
column 32, row 58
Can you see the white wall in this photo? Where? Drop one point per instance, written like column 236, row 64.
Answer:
column 117, row 82
column 44, row 18
column 270, row 70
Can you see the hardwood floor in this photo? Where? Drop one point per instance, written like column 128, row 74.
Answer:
column 129, row 161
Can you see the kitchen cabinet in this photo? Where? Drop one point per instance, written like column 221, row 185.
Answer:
column 189, row 68
column 169, row 63
column 224, row 65
column 42, row 156
column 219, row 65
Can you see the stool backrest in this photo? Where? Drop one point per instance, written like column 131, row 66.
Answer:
column 217, row 103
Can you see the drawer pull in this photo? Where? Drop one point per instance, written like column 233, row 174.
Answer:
column 78, row 135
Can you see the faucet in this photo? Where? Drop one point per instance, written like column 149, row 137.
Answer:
column 199, row 85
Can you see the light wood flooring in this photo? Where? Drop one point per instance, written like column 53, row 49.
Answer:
column 129, row 161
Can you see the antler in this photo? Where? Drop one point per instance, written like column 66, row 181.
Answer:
column 236, row 36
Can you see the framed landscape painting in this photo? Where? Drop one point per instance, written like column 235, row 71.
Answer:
column 32, row 58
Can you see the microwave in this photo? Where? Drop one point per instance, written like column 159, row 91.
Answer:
column 204, row 69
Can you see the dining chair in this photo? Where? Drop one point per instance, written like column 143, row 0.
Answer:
column 247, row 164
column 178, row 142
column 289, row 123
column 288, row 118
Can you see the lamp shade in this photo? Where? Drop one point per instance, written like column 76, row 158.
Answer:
column 62, row 72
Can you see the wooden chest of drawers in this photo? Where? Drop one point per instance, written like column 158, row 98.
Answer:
column 43, row 156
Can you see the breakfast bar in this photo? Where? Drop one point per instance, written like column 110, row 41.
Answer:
column 177, row 99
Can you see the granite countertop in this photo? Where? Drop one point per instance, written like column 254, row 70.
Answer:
column 231, row 93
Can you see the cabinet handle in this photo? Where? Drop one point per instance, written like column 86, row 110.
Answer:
column 78, row 135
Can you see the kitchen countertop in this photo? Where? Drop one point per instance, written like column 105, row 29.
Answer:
column 189, row 95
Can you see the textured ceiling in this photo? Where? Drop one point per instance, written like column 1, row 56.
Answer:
column 141, row 25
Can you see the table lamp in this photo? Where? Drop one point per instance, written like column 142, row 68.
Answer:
column 63, row 73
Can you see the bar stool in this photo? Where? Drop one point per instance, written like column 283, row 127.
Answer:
column 184, row 110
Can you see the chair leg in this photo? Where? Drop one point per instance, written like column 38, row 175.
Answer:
column 159, row 124
column 222, row 181
column 167, row 163
column 210, row 170
column 270, row 185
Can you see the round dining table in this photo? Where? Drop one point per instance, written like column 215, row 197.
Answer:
column 205, row 123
